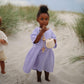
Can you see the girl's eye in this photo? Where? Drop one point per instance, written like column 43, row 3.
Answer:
column 41, row 18
column 46, row 19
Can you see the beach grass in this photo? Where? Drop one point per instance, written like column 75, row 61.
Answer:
column 9, row 18
column 59, row 22
column 79, row 27
column 75, row 59
column 28, row 13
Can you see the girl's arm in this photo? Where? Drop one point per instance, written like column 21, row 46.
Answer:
column 40, row 35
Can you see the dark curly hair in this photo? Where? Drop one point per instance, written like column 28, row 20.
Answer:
column 42, row 9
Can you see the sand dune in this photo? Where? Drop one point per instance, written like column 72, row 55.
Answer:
column 68, row 46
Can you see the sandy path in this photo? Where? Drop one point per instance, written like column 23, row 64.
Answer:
column 64, row 71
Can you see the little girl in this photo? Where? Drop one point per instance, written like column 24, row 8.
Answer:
column 40, row 57
column 3, row 41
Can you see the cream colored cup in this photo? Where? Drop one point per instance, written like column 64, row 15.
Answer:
column 50, row 43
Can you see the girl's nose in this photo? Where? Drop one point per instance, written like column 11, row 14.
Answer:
column 44, row 21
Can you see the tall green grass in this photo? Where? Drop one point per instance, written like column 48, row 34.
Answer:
column 79, row 28
column 28, row 13
column 78, row 58
column 9, row 18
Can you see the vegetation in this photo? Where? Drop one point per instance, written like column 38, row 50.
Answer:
column 74, row 59
column 79, row 27
column 9, row 18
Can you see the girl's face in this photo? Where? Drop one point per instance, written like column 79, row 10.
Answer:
column 43, row 19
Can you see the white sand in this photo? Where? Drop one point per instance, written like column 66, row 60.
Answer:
column 68, row 46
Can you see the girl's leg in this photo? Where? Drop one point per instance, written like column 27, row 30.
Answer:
column 2, row 67
column 46, row 76
column 39, row 76
column 0, row 63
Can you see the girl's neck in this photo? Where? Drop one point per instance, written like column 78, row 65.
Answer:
column 41, row 27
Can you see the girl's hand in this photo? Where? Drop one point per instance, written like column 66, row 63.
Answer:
column 44, row 28
column 2, row 41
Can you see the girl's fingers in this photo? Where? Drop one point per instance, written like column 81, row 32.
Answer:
column 44, row 27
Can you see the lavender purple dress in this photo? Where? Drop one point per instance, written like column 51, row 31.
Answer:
column 36, row 59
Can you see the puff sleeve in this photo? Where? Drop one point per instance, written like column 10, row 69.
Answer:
column 34, row 35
